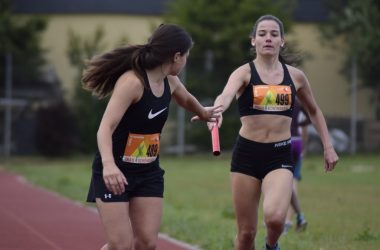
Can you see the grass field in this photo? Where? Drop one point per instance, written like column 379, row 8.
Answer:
column 342, row 207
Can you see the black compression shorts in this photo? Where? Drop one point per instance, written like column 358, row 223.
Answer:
column 258, row 159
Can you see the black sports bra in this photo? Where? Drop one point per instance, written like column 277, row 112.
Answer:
column 260, row 98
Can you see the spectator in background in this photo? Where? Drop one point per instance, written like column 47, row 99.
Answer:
column 298, row 130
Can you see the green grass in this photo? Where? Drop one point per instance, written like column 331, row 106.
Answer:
column 342, row 207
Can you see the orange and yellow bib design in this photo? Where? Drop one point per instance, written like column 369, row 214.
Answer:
column 272, row 97
column 142, row 148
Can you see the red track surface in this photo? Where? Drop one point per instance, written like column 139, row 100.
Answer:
column 34, row 219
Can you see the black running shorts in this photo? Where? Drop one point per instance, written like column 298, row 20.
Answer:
column 258, row 159
column 147, row 184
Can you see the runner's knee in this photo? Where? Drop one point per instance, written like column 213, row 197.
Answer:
column 119, row 243
column 145, row 244
column 246, row 236
column 274, row 220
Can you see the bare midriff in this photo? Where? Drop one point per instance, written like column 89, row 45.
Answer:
column 265, row 128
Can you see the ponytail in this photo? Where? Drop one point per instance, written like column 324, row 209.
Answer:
column 290, row 57
column 103, row 71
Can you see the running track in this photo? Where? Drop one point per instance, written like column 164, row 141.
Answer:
column 34, row 219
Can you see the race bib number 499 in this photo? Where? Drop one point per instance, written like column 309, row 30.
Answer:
column 142, row 148
column 272, row 97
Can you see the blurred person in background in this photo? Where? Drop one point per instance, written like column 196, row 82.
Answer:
column 299, row 136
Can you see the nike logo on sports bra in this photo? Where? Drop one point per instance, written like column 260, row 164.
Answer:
column 152, row 115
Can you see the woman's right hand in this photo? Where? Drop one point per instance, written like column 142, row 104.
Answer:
column 114, row 179
column 218, row 123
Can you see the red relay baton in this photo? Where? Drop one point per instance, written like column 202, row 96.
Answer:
column 215, row 140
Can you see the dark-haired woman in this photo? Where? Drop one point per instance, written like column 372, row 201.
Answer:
column 127, row 181
column 265, row 89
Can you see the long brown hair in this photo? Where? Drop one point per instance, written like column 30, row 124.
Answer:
column 104, row 70
column 284, row 56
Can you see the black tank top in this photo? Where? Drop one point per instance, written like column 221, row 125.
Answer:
column 136, row 139
column 261, row 98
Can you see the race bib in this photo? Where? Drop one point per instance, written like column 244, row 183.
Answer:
column 142, row 148
column 272, row 97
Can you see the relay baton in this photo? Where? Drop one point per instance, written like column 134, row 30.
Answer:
column 215, row 140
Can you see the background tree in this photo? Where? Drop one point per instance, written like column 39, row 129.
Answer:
column 88, row 109
column 357, row 23
column 31, row 82
column 22, row 38
column 220, row 30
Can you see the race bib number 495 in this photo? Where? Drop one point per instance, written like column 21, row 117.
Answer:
column 272, row 97
column 142, row 148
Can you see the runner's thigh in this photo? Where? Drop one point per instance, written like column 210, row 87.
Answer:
column 277, row 191
column 115, row 219
column 246, row 192
column 146, row 215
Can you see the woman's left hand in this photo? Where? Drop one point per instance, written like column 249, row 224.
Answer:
column 331, row 158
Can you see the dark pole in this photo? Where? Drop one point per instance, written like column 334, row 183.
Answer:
column 354, row 80
column 8, row 106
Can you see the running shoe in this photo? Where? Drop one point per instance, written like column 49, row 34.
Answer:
column 288, row 225
column 301, row 223
column 277, row 247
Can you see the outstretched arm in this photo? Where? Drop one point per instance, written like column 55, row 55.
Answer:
column 235, row 82
column 190, row 103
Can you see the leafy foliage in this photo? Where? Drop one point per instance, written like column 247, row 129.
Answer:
column 22, row 37
column 357, row 21
column 88, row 110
